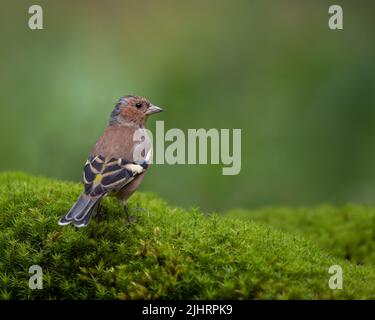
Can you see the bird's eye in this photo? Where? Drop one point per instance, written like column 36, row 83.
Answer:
column 138, row 105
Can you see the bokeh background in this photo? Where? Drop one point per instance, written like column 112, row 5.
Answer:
column 303, row 95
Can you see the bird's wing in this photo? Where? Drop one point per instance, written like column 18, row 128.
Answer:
column 102, row 175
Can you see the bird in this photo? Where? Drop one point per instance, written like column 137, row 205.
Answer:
column 117, row 163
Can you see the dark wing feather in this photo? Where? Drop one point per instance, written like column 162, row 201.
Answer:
column 102, row 176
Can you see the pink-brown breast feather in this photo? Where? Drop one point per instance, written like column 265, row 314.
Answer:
column 115, row 142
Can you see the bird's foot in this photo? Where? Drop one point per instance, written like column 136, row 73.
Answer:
column 129, row 220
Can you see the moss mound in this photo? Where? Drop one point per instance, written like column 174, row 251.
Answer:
column 167, row 253
column 347, row 232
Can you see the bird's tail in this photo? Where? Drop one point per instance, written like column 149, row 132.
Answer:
column 82, row 211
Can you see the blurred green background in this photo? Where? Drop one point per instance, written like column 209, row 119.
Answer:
column 303, row 95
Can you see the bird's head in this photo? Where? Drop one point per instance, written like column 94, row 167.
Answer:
column 133, row 111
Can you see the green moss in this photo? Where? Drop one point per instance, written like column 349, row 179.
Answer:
column 347, row 232
column 166, row 253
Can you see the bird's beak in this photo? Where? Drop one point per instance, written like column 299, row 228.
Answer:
column 153, row 109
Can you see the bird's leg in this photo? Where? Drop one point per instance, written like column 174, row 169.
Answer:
column 129, row 219
column 97, row 216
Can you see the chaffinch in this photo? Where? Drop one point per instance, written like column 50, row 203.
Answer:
column 112, row 167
